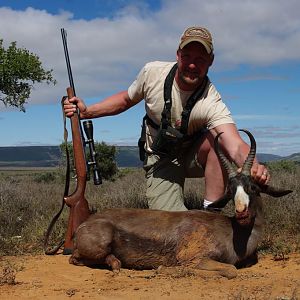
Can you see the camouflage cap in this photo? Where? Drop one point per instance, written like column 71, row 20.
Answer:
column 197, row 34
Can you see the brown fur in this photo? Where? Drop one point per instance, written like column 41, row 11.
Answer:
column 147, row 239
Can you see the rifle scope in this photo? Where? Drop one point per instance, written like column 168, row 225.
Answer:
column 88, row 129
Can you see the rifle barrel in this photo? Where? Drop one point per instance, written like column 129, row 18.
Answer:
column 89, row 131
column 64, row 39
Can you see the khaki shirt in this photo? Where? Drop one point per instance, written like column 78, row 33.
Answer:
column 208, row 112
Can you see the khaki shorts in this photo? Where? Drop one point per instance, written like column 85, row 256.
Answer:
column 166, row 177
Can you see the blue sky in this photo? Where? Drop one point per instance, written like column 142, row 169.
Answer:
column 256, row 67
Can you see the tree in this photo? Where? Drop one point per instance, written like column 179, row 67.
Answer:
column 106, row 158
column 19, row 71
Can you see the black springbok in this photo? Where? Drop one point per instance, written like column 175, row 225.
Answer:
column 147, row 239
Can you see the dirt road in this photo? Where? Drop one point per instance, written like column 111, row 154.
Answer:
column 52, row 277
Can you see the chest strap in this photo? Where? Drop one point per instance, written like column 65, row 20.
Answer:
column 166, row 113
column 185, row 115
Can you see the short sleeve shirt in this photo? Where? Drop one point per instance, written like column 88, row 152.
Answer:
column 208, row 112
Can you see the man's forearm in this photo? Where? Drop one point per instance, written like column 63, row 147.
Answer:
column 110, row 106
column 241, row 154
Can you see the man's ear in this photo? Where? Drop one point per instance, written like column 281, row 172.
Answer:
column 177, row 54
column 212, row 57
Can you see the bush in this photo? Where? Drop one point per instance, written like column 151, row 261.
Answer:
column 45, row 177
column 283, row 165
column 105, row 158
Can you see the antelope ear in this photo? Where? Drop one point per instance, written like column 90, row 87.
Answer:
column 274, row 192
column 221, row 202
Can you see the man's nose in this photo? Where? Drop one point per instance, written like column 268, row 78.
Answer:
column 192, row 65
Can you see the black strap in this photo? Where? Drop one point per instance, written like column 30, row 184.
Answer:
column 66, row 193
column 150, row 122
column 185, row 115
column 166, row 113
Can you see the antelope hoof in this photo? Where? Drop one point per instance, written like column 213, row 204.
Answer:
column 114, row 263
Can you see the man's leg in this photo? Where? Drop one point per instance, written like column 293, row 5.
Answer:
column 165, row 180
column 215, row 176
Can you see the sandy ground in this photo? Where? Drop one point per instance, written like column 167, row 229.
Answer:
column 52, row 277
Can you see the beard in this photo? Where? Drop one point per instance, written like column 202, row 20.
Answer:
column 191, row 79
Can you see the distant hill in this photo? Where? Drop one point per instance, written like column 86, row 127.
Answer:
column 128, row 156
column 294, row 157
column 263, row 157
column 30, row 156
column 50, row 156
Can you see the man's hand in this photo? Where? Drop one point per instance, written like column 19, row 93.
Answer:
column 70, row 106
column 238, row 150
column 260, row 173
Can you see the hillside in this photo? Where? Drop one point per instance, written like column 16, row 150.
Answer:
column 30, row 156
column 50, row 156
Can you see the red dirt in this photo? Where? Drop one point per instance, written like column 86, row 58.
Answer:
column 52, row 277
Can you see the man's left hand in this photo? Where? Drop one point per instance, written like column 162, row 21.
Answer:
column 260, row 173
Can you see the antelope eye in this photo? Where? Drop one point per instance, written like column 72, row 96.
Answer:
column 253, row 188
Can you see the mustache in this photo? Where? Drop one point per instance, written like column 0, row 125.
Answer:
column 188, row 72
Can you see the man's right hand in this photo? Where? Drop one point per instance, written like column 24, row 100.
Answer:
column 70, row 106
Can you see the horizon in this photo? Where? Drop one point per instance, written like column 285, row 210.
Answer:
column 256, row 67
column 18, row 146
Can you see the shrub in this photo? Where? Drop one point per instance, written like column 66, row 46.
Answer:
column 283, row 165
column 105, row 158
column 45, row 177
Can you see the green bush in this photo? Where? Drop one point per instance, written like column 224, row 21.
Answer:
column 45, row 177
column 105, row 157
column 283, row 165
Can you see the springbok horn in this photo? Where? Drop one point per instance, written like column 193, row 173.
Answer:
column 274, row 192
column 225, row 162
column 250, row 158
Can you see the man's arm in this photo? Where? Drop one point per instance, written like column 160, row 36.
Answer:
column 111, row 105
column 237, row 150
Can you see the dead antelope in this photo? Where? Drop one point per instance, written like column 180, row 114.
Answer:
column 147, row 239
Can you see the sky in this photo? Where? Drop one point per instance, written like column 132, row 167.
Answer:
column 256, row 68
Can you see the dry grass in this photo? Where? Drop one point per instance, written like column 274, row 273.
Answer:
column 29, row 200
column 8, row 276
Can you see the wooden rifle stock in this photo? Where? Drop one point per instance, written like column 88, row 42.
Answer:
column 79, row 209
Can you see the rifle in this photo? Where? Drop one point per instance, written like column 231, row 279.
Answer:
column 79, row 208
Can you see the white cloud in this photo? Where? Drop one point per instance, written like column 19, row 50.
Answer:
column 268, row 117
column 106, row 54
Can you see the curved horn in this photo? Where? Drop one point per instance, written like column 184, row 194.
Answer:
column 250, row 158
column 225, row 162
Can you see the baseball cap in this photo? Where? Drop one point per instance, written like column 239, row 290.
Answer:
column 197, row 34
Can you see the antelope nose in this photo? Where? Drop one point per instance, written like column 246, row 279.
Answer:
column 240, row 207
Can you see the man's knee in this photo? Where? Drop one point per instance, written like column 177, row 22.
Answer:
column 165, row 204
column 164, row 195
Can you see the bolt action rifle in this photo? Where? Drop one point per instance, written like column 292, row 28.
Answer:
column 79, row 208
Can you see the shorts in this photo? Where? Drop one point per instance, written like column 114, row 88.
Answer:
column 165, row 178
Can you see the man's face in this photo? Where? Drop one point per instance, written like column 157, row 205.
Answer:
column 193, row 63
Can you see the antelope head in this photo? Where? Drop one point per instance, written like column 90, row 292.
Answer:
column 241, row 187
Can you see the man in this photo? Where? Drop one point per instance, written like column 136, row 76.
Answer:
column 193, row 154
